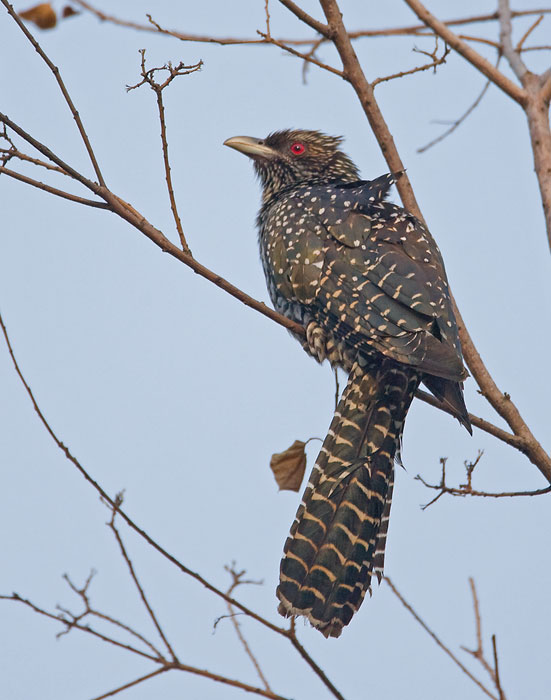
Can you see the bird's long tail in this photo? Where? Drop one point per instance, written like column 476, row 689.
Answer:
column 338, row 537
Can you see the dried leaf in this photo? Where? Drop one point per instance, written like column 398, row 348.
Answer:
column 288, row 466
column 42, row 15
column 69, row 11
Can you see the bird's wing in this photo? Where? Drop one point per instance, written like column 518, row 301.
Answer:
column 373, row 275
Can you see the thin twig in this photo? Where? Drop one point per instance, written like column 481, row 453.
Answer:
column 9, row 153
column 308, row 57
column 496, row 669
column 118, row 502
column 57, row 75
column 53, row 190
column 518, row 47
column 41, row 148
column 229, row 681
column 267, row 13
column 505, row 38
column 478, row 653
column 148, row 77
column 15, row 597
column 310, row 54
column 131, row 684
column 442, row 646
column 237, row 580
column 468, row 53
column 458, row 121
column 303, row 16
column 479, row 39
column 536, row 48
column 467, row 489
column 89, row 610
column 436, row 61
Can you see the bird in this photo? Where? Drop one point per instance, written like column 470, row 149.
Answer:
column 366, row 281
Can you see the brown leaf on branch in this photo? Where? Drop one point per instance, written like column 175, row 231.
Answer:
column 43, row 15
column 288, row 466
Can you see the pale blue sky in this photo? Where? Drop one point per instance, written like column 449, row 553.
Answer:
column 164, row 386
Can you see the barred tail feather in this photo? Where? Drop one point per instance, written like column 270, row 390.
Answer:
column 338, row 537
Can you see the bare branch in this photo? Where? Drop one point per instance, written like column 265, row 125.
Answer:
column 303, row 16
column 131, row 684
column 479, row 40
column 57, row 75
column 267, row 13
column 518, row 47
column 118, row 503
column 474, row 58
column 71, row 619
column 48, row 153
column 308, row 57
column 436, row 61
column 467, row 489
column 478, row 653
column 9, row 153
column 501, row 401
column 537, row 112
column 496, row 669
column 458, row 121
column 53, row 190
column 148, row 76
column 237, row 580
column 229, row 681
column 74, row 624
column 536, row 48
column 506, row 41
column 442, row 646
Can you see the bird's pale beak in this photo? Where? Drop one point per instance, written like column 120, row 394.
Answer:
column 251, row 147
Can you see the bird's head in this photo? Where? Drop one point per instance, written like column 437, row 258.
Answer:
column 293, row 157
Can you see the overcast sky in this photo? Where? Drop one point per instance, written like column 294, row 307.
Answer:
column 166, row 387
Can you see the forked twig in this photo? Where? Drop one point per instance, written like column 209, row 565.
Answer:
column 435, row 61
column 455, row 124
column 478, row 653
column 467, row 489
column 148, row 76
column 131, row 684
column 309, row 57
column 518, row 47
column 436, row 639
column 132, row 571
column 57, row 75
column 238, row 580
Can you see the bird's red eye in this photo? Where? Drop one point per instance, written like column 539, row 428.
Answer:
column 297, row 148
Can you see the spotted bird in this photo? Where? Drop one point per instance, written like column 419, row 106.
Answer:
column 367, row 282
